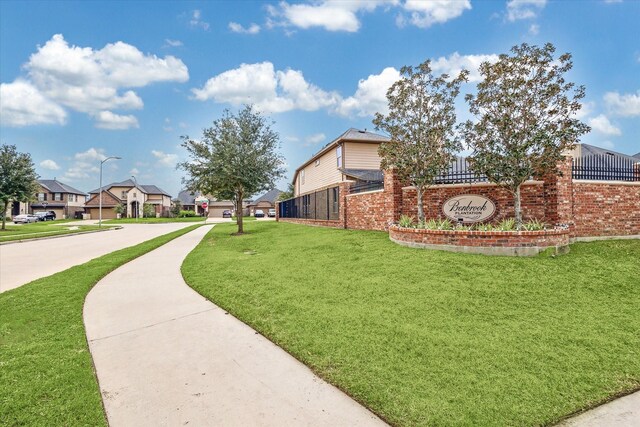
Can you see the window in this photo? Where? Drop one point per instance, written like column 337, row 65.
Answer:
column 317, row 163
column 334, row 200
column 42, row 197
column 57, row 196
column 124, row 195
column 339, row 155
column 302, row 176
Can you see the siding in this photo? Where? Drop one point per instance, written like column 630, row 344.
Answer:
column 324, row 174
column 361, row 155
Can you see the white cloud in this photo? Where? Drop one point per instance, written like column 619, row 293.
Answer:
column 314, row 139
column 22, row 104
column 134, row 171
column 112, row 121
column 524, row 9
column 371, row 95
column 197, row 22
column 586, row 110
column 602, row 124
column 165, row 159
column 627, row 105
column 90, row 81
column 86, row 165
column 91, row 155
column 268, row 90
column 49, row 164
column 172, row 43
column 534, row 29
column 426, row 13
column 453, row 64
column 237, row 28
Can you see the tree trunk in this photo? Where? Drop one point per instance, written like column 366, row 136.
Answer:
column 4, row 215
column 239, row 213
column 518, row 208
column 420, row 205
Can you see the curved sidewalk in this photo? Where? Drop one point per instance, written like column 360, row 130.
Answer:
column 164, row 355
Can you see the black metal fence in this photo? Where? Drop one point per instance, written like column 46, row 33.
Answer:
column 362, row 186
column 459, row 172
column 606, row 168
column 322, row 205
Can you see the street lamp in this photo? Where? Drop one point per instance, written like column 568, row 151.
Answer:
column 134, row 196
column 100, row 195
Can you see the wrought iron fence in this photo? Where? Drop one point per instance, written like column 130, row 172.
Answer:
column 606, row 168
column 459, row 172
column 322, row 205
column 362, row 186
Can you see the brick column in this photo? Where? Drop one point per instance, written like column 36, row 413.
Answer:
column 558, row 195
column 393, row 195
column 277, row 211
column 344, row 191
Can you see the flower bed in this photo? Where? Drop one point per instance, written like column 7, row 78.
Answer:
column 514, row 243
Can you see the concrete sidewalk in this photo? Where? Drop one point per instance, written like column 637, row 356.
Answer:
column 164, row 355
column 622, row 412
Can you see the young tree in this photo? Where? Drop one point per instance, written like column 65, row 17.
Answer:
column 288, row 194
column 525, row 111
column 235, row 158
column 176, row 207
column 421, row 126
column 18, row 178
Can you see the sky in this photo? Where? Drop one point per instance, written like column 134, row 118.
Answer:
column 83, row 80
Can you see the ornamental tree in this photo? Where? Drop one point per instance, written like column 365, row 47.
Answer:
column 421, row 127
column 18, row 178
column 525, row 118
column 236, row 157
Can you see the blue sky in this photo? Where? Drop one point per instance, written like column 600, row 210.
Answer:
column 80, row 80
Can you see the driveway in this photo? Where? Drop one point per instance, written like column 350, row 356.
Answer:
column 20, row 263
column 165, row 355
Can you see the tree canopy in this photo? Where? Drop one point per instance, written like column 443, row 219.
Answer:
column 525, row 114
column 421, row 126
column 18, row 178
column 235, row 158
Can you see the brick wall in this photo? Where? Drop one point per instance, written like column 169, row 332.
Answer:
column 606, row 209
column 368, row 211
column 532, row 195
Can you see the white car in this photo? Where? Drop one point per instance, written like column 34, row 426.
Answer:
column 25, row 219
column 272, row 213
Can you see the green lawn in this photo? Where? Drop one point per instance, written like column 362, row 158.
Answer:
column 435, row 338
column 42, row 229
column 152, row 220
column 46, row 371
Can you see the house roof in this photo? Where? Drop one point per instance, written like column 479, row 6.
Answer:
column 351, row 135
column 108, row 199
column 592, row 150
column 364, row 174
column 149, row 189
column 270, row 196
column 186, row 197
column 56, row 186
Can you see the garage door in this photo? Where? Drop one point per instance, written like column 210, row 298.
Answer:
column 216, row 212
column 107, row 213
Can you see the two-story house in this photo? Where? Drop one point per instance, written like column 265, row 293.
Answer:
column 58, row 197
column 131, row 196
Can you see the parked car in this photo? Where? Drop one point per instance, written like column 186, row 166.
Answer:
column 226, row 213
column 259, row 213
column 272, row 213
column 46, row 216
column 25, row 219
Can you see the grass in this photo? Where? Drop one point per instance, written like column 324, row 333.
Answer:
column 46, row 371
column 42, row 229
column 435, row 338
column 152, row 220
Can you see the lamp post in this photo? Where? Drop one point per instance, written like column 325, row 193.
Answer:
column 100, row 194
column 134, row 196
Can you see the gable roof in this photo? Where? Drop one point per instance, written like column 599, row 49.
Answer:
column 592, row 150
column 56, row 186
column 108, row 199
column 270, row 196
column 186, row 197
column 351, row 135
column 149, row 189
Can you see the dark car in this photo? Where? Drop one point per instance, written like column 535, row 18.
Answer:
column 46, row 216
column 226, row 214
column 259, row 213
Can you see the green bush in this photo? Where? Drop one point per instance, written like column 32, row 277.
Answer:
column 187, row 214
column 406, row 221
column 534, row 225
column 148, row 211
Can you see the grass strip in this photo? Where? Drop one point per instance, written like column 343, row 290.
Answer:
column 46, row 371
column 13, row 235
column 427, row 337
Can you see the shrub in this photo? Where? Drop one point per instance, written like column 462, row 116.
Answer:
column 187, row 214
column 508, row 224
column 148, row 211
column 406, row 221
column 534, row 225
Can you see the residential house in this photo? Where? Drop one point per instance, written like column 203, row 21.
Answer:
column 265, row 202
column 353, row 156
column 133, row 196
column 55, row 196
column 215, row 207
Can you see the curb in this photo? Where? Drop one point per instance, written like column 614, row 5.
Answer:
column 60, row 235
